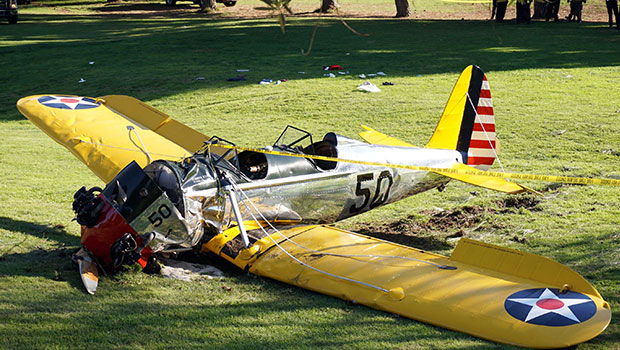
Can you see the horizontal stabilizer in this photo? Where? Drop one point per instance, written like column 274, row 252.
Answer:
column 377, row 138
column 490, row 182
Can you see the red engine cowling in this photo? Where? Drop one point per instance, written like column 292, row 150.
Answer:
column 109, row 229
column 118, row 221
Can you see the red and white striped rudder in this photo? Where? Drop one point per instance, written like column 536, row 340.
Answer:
column 481, row 153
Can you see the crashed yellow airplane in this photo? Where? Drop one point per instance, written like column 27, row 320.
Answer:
column 171, row 188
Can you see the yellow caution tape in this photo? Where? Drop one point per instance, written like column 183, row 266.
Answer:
column 517, row 176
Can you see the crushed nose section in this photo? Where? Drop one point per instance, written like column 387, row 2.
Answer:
column 130, row 219
column 87, row 206
column 102, row 236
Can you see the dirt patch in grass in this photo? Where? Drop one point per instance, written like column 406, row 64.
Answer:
column 528, row 202
column 448, row 220
column 433, row 233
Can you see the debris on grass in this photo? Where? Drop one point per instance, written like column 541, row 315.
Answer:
column 368, row 87
column 332, row 67
column 559, row 132
column 186, row 271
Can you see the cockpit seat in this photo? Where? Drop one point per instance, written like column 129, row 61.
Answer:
column 325, row 148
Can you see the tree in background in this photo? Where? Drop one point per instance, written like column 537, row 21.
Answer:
column 540, row 9
column 327, row 5
column 402, row 8
column 207, row 5
column 280, row 8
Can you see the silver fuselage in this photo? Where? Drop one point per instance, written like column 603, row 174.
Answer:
column 350, row 188
column 296, row 190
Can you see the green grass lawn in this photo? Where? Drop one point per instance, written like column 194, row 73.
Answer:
column 557, row 105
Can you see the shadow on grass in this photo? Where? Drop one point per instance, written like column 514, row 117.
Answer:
column 53, row 263
column 594, row 257
column 147, row 10
column 255, row 314
column 56, row 233
column 150, row 58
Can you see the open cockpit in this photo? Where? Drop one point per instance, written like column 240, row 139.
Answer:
column 257, row 166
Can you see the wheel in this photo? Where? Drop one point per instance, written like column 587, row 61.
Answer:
column 171, row 2
column 12, row 19
column 230, row 3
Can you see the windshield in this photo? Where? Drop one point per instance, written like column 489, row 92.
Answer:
column 293, row 139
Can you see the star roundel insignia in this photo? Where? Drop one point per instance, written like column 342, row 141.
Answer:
column 69, row 102
column 549, row 307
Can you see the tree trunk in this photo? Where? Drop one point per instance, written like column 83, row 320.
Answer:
column 539, row 9
column 208, row 5
column 327, row 5
column 402, row 8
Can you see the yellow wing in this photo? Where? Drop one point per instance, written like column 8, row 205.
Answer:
column 108, row 133
column 466, row 292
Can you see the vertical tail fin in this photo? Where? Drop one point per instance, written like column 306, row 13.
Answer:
column 468, row 123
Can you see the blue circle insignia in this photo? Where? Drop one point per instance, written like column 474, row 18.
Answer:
column 68, row 102
column 549, row 307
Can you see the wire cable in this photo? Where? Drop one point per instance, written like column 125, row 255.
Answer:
column 131, row 128
column 250, row 211
column 309, row 266
column 128, row 149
